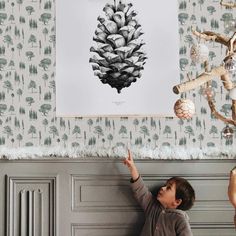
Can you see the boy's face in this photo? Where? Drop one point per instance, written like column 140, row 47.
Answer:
column 166, row 195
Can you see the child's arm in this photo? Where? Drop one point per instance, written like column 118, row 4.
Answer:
column 232, row 187
column 141, row 192
column 129, row 162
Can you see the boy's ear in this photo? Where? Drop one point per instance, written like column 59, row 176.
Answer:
column 178, row 202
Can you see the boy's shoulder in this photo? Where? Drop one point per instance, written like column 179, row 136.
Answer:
column 178, row 213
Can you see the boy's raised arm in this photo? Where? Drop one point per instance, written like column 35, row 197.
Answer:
column 141, row 192
column 129, row 162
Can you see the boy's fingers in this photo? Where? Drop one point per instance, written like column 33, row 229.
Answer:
column 126, row 162
column 129, row 155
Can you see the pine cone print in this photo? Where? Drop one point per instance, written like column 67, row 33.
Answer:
column 118, row 59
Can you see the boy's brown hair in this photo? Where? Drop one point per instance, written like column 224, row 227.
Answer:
column 184, row 191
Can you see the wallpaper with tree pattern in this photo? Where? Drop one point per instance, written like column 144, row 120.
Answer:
column 28, row 84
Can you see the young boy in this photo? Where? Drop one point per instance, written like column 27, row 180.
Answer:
column 164, row 213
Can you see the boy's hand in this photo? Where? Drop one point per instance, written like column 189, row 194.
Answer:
column 129, row 162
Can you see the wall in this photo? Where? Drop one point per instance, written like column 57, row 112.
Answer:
column 28, row 83
column 93, row 197
column 27, row 117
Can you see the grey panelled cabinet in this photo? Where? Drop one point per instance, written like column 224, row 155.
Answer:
column 65, row 197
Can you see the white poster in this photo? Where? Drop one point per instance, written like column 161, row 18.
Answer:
column 116, row 57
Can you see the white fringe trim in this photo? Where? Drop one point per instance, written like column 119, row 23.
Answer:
column 166, row 153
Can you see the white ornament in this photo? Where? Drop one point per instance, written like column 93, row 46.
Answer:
column 184, row 108
column 232, row 93
column 199, row 53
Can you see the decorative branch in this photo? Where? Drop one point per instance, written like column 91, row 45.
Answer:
column 211, row 36
column 227, row 4
column 231, row 43
column 200, row 80
column 218, row 115
column 206, row 77
column 234, row 110
column 220, row 71
column 228, row 84
column 219, row 38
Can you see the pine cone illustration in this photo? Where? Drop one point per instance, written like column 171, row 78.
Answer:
column 118, row 57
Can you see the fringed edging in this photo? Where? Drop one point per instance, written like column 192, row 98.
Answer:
column 168, row 153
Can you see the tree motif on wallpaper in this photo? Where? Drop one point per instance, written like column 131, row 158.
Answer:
column 118, row 58
column 27, row 86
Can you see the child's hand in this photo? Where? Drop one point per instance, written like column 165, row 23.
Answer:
column 128, row 161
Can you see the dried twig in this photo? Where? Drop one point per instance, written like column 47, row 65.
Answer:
column 219, row 38
column 227, row 4
column 200, row 80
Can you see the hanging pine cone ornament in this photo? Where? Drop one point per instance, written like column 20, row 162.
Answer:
column 199, row 53
column 184, row 108
column 118, row 58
